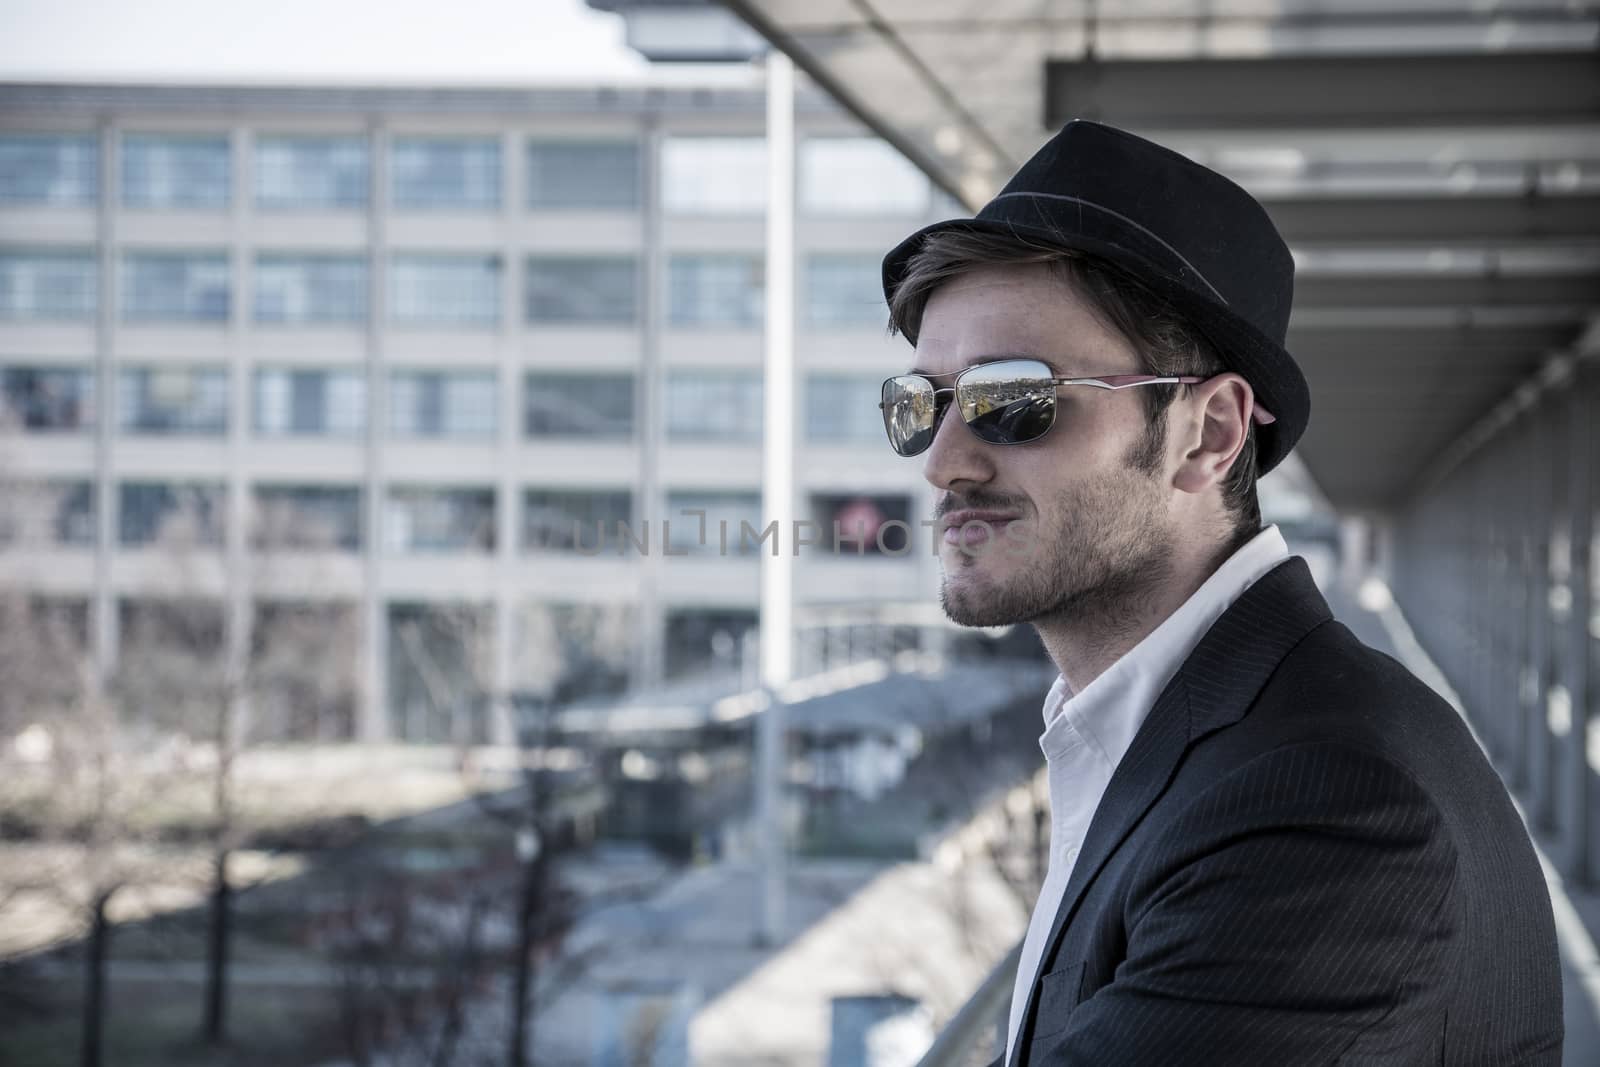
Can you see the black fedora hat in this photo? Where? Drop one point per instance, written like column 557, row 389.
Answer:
column 1188, row 233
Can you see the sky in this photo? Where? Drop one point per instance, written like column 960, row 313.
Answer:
column 500, row 42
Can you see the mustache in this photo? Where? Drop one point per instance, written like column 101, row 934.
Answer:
column 976, row 500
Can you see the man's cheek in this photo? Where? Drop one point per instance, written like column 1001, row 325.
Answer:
column 1017, row 539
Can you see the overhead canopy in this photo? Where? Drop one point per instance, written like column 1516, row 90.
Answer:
column 1434, row 164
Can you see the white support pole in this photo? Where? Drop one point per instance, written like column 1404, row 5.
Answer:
column 777, row 571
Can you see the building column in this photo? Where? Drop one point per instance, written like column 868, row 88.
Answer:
column 372, row 718
column 104, row 636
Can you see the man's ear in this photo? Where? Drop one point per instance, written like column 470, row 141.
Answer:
column 1216, row 425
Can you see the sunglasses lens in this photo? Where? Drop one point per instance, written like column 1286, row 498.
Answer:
column 1008, row 402
column 908, row 413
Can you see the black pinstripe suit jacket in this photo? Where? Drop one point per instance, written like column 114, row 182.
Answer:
column 1304, row 858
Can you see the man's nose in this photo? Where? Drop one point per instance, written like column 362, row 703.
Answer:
column 956, row 455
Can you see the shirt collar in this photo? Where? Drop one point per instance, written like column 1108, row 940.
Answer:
column 1110, row 709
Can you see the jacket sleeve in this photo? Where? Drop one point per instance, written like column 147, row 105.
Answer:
column 1300, row 905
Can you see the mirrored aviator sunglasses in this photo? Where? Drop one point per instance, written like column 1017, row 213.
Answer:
column 1006, row 402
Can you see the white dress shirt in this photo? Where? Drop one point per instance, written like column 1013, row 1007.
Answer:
column 1086, row 734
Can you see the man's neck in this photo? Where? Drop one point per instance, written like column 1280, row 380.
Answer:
column 1084, row 647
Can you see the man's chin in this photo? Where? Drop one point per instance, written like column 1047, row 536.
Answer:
column 971, row 601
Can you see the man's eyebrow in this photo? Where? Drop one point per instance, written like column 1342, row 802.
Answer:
column 994, row 357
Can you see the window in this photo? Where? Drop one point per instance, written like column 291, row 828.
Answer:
column 859, row 176
column 714, row 405
column 448, row 173
column 161, row 511
column 727, row 511
column 843, row 409
column 564, row 520
column 439, row 520
column 172, row 400
column 312, row 173
column 47, row 513
column 311, row 289
column 55, row 169
column 307, row 517
column 583, row 290
column 578, row 405
column 316, row 403
column 440, row 404
column 595, row 176
column 706, row 640
column 445, row 290
column 715, row 290
column 435, row 672
column 175, row 171
column 53, row 284
column 864, row 519
column 714, row 175
column 845, row 290
column 175, row 287
column 47, row 398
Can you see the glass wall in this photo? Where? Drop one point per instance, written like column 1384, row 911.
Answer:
column 172, row 400
column 563, row 520
column 444, row 290
column 727, row 511
column 714, row 175
column 843, row 409
column 312, row 173
column 44, row 399
column 167, row 511
column 175, row 171
column 47, row 514
column 582, row 290
column 311, row 402
column 583, row 175
column 714, row 405
column 557, row 404
column 49, row 284
column 859, row 176
column 49, row 169
column 307, row 517
column 844, row 290
column 458, row 404
column 718, row 289
column 175, row 287
column 445, row 173
column 418, row 519
column 310, row 289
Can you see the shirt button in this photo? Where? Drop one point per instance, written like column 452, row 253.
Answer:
column 1069, row 854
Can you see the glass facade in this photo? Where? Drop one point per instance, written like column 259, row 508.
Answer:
column 49, row 513
column 863, row 519
column 714, row 405
column 859, row 176
column 49, row 169
column 49, row 284
column 723, row 289
column 565, row 520
column 582, row 290
column 445, row 173
column 458, row 404
column 172, row 400
column 843, row 409
column 578, row 405
column 307, row 517
column 312, row 173
column 306, row 290
column 714, row 175
column 706, row 640
column 312, row 403
column 726, row 512
column 444, row 290
column 439, row 520
column 43, row 399
column 176, row 171
column 583, row 175
column 175, row 287
column 166, row 511
column 844, row 290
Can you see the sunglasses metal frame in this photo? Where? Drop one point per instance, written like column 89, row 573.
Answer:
column 1102, row 381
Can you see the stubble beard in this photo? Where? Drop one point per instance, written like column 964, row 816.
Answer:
column 1096, row 564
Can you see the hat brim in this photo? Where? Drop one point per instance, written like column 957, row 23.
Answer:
column 1279, row 386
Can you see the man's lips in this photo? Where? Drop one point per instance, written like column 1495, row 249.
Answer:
column 985, row 525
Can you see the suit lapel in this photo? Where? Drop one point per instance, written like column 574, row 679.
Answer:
column 1213, row 689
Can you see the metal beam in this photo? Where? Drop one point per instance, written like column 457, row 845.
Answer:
column 1453, row 219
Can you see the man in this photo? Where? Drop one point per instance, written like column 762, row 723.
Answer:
column 1271, row 844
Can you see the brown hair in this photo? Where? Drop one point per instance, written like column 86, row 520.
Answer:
column 1166, row 342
